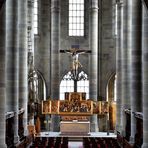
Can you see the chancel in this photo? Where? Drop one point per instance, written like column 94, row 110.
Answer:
column 75, row 111
column 73, row 73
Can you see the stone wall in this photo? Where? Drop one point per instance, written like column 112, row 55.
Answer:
column 107, row 50
column 106, row 45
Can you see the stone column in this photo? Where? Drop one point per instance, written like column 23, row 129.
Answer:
column 12, row 62
column 119, row 67
column 145, row 74
column 23, row 71
column 2, row 79
column 30, row 35
column 135, row 76
column 55, row 46
column 125, row 70
column 93, row 45
column 44, row 45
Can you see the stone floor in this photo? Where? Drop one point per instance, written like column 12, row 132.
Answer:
column 76, row 141
column 72, row 144
column 91, row 134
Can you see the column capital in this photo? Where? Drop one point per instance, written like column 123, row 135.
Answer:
column 120, row 2
column 145, row 145
column 94, row 5
column 3, row 145
column 30, row 4
column 55, row 6
column 55, row 9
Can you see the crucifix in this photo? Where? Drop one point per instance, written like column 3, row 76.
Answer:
column 76, row 65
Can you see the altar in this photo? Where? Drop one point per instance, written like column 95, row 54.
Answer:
column 75, row 112
column 75, row 127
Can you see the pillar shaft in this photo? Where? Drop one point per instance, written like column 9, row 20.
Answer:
column 125, row 64
column 136, row 89
column 12, row 62
column 23, row 71
column 119, row 67
column 30, row 34
column 55, row 45
column 3, row 79
column 93, row 45
column 44, row 43
column 145, row 74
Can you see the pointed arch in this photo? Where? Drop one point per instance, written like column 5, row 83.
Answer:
column 67, row 84
column 111, row 95
column 36, row 86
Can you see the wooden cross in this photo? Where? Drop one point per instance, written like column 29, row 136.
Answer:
column 75, row 51
column 76, row 65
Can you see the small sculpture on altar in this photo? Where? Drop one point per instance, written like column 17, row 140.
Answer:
column 54, row 106
column 104, row 107
column 46, row 107
column 79, row 107
column 83, row 108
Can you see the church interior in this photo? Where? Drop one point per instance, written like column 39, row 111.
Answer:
column 74, row 73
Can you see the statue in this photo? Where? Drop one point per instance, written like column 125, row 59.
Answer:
column 76, row 65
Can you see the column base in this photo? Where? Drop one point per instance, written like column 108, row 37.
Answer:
column 94, row 123
column 93, row 127
column 3, row 145
column 16, row 139
column 47, row 125
column 145, row 145
column 118, row 128
column 132, row 139
column 55, row 123
column 26, row 133
column 123, row 133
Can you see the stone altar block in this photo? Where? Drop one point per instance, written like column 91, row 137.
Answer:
column 75, row 127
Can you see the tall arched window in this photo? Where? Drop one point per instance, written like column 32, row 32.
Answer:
column 76, row 17
column 111, row 89
column 35, row 18
column 83, row 84
column 36, row 86
column 67, row 84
